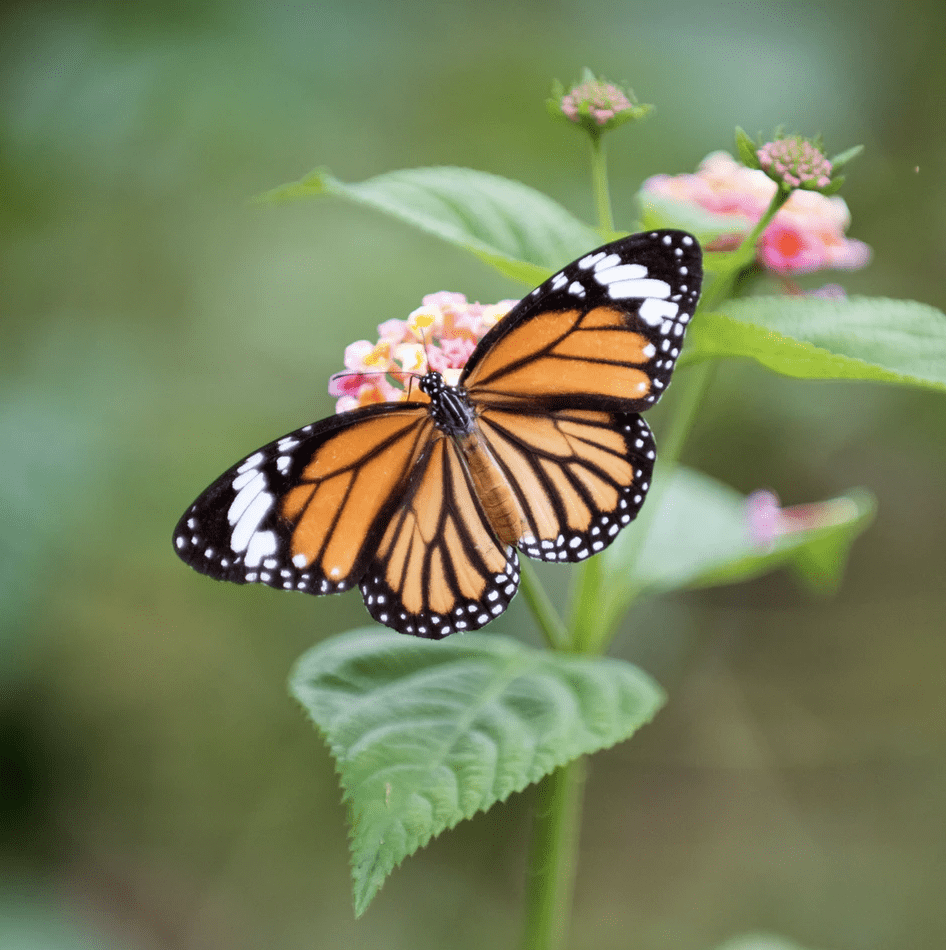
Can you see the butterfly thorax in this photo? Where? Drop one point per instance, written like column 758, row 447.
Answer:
column 449, row 407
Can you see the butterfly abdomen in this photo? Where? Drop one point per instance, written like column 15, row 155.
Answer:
column 492, row 489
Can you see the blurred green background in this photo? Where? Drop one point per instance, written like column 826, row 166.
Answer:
column 159, row 788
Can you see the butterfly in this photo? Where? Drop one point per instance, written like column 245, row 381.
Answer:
column 424, row 504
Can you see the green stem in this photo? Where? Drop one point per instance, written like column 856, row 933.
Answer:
column 554, row 854
column 599, row 180
column 586, row 606
column 543, row 610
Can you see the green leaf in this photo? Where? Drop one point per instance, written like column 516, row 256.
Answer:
column 700, row 537
column 837, row 183
column 747, row 149
column 870, row 338
column 425, row 734
column 516, row 229
column 839, row 161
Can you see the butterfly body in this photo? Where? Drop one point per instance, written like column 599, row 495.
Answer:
column 449, row 406
column 539, row 449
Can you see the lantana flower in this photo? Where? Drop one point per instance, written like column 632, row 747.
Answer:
column 767, row 521
column 806, row 235
column 596, row 105
column 439, row 335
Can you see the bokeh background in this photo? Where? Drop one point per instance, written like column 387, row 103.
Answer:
column 160, row 790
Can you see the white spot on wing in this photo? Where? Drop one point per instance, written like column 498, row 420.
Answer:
column 590, row 259
column 261, row 544
column 250, row 520
column 251, row 462
column 242, row 480
column 653, row 311
column 623, row 289
column 606, row 262
column 245, row 497
column 611, row 275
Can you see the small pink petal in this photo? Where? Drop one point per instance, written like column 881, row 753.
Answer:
column 764, row 515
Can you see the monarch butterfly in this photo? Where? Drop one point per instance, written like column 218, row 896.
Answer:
column 424, row 503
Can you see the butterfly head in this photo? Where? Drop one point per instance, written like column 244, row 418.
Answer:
column 432, row 384
column 449, row 405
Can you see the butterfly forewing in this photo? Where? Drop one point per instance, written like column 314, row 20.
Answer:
column 303, row 512
column 605, row 331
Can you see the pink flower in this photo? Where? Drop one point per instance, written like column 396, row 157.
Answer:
column 767, row 521
column 439, row 335
column 796, row 162
column 787, row 248
column 597, row 98
column 596, row 105
column 806, row 235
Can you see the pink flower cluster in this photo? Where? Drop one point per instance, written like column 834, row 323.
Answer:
column 806, row 235
column 796, row 162
column 768, row 520
column 601, row 100
column 439, row 335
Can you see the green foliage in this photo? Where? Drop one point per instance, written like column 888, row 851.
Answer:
column 425, row 733
column 516, row 229
column 700, row 537
column 866, row 338
column 746, row 149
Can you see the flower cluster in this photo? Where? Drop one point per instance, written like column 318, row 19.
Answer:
column 596, row 105
column 598, row 99
column 439, row 335
column 806, row 235
column 768, row 521
column 796, row 162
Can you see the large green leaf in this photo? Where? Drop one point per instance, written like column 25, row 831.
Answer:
column 516, row 229
column 426, row 733
column 870, row 338
column 700, row 536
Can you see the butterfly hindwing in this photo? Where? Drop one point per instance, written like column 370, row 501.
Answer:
column 439, row 567
column 580, row 475
column 605, row 331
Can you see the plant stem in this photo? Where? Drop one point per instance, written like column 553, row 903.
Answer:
column 599, row 180
column 543, row 610
column 585, row 616
column 554, row 854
